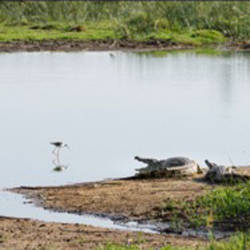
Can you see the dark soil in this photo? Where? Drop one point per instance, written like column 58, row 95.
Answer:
column 101, row 45
column 71, row 45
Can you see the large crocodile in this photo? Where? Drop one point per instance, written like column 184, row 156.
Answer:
column 169, row 167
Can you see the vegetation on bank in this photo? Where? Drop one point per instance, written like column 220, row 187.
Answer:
column 197, row 23
column 228, row 204
column 240, row 241
column 102, row 32
column 226, row 207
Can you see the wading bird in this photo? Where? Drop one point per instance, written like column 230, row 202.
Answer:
column 58, row 145
column 56, row 162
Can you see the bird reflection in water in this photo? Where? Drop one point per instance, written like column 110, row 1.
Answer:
column 58, row 167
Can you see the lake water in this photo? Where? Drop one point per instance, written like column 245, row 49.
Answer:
column 111, row 107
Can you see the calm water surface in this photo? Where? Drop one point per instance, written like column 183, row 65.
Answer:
column 111, row 108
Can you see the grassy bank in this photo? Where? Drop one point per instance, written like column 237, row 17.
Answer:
column 104, row 31
column 239, row 241
column 193, row 24
column 226, row 207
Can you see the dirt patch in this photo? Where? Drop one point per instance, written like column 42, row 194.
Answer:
column 32, row 234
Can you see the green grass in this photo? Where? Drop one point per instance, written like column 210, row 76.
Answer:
column 186, row 23
column 228, row 206
column 59, row 32
column 104, row 31
column 239, row 241
column 137, row 16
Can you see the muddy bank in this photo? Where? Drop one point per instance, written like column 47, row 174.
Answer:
column 124, row 199
column 119, row 199
column 32, row 234
column 98, row 45
column 104, row 45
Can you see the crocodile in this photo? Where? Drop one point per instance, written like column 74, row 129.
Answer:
column 168, row 167
column 220, row 173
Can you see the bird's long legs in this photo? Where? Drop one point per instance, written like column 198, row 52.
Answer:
column 58, row 156
column 54, row 151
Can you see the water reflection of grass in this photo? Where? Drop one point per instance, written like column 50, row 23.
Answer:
column 155, row 53
column 208, row 51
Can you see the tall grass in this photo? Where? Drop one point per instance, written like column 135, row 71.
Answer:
column 232, row 19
